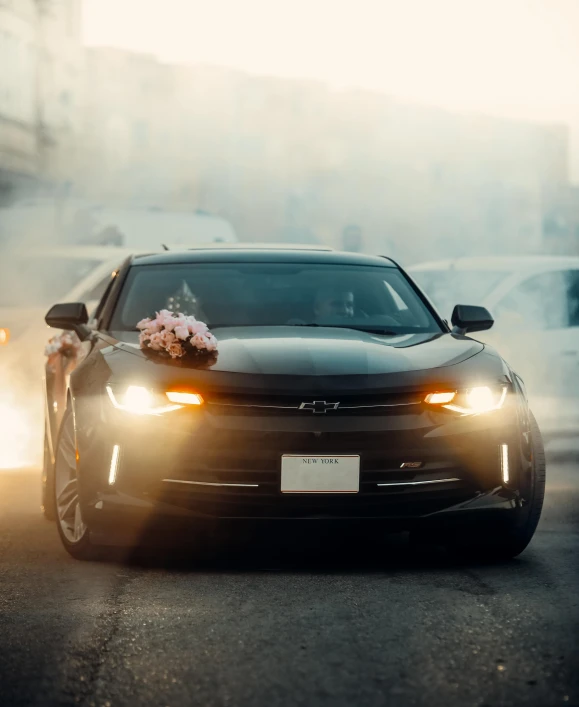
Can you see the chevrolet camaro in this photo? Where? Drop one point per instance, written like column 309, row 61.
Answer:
column 270, row 384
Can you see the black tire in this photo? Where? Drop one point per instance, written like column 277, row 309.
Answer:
column 48, row 504
column 508, row 542
column 79, row 546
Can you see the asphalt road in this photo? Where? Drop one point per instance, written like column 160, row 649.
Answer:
column 345, row 623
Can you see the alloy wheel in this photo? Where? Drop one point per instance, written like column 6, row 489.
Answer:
column 66, row 483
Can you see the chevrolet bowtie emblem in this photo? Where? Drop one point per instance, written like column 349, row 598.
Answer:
column 319, row 406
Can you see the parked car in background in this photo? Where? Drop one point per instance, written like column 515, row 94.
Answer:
column 535, row 303
column 81, row 222
column 143, row 229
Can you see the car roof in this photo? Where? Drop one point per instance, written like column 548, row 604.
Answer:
column 253, row 253
column 250, row 246
column 217, row 252
column 520, row 263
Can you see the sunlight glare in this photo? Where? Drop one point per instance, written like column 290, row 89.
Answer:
column 18, row 443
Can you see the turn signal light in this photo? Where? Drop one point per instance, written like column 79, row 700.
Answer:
column 144, row 401
column 439, row 398
column 4, row 336
column 185, row 398
column 471, row 401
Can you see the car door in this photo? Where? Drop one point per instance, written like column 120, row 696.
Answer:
column 537, row 325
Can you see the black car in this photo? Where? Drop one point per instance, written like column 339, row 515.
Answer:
column 337, row 392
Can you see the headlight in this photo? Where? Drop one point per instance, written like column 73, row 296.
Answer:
column 472, row 401
column 142, row 401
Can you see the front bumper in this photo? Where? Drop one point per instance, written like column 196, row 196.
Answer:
column 196, row 464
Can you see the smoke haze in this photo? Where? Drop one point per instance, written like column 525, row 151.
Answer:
column 376, row 135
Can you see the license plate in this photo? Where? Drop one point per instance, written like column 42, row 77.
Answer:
column 320, row 474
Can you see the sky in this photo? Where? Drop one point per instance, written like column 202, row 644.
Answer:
column 518, row 58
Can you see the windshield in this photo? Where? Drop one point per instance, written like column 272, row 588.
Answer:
column 275, row 294
column 447, row 288
column 39, row 282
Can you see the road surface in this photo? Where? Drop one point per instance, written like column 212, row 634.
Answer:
column 344, row 623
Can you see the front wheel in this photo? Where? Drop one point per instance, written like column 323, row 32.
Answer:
column 48, row 503
column 510, row 540
column 73, row 531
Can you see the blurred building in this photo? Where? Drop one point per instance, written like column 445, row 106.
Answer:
column 292, row 160
column 131, row 147
column 61, row 87
column 41, row 81
column 561, row 221
column 19, row 159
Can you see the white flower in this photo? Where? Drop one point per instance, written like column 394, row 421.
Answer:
column 144, row 323
column 66, row 344
column 182, row 332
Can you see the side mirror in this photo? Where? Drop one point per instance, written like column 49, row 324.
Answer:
column 70, row 316
column 467, row 318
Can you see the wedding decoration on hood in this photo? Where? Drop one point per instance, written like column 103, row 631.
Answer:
column 176, row 335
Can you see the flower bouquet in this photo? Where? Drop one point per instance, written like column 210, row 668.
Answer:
column 176, row 336
column 67, row 344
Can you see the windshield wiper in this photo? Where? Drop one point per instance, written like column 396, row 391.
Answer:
column 367, row 329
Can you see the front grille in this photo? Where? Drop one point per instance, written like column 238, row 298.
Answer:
column 251, row 468
column 246, row 462
column 224, row 503
column 316, row 405
column 234, row 462
column 268, row 483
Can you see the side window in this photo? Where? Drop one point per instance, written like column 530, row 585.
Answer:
column 105, row 296
column 573, row 297
column 97, row 291
column 539, row 302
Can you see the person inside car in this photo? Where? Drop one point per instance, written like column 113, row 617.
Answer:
column 333, row 302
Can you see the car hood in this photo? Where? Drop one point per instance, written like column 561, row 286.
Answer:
column 293, row 351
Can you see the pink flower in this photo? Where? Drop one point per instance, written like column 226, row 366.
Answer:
column 211, row 344
column 198, row 341
column 182, row 332
column 175, row 350
column 166, row 319
column 144, row 323
column 204, row 342
column 196, row 327
column 154, row 327
column 155, row 342
column 167, row 338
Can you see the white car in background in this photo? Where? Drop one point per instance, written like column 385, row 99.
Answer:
column 81, row 222
column 535, row 303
